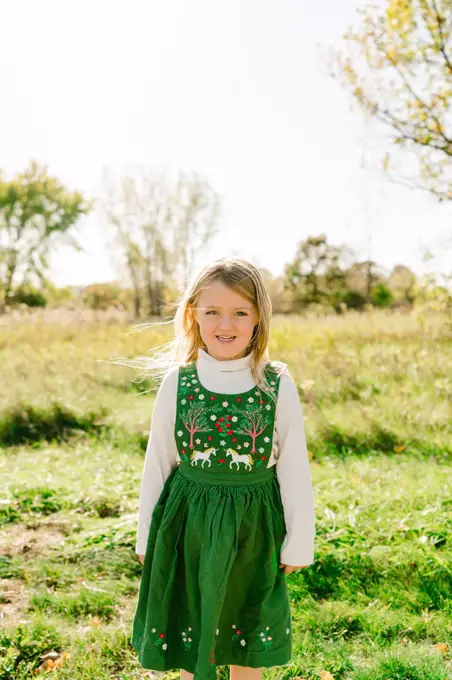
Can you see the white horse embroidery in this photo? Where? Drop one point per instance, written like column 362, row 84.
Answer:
column 237, row 458
column 203, row 455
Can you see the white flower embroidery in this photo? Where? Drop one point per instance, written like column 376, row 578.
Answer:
column 196, row 389
column 194, row 382
column 153, row 630
column 180, row 433
column 164, row 646
column 225, row 404
column 266, row 439
column 192, row 376
column 268, row 407
column 269, row 637
column 184, row 443
column 243, row 643
column 201, row 396
column 256, row 393
column 189, row 639
column 213, row 417
column 234, row 419
column 205, row 443
column 189, row 628
column 217, row 631
column 287, row 631
column 223, row 443
column 198, row 441
column 268, row 628
column 184, row 401
column 250, row 399
column 272, row 382
column 234, row 626
column 239, row 447
column 261, row 450
column 188, row 384
column 246, row 444
column 264, row 639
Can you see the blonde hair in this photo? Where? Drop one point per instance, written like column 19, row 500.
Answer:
column 243, row 278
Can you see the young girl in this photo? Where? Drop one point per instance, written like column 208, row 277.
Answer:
column 226, row 502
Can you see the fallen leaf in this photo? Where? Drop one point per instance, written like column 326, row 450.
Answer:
column 326, row 675
column 95, row 621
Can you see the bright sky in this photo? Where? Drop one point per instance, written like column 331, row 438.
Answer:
column 235, row 90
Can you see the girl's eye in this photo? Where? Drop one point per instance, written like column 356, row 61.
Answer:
column 213, row 311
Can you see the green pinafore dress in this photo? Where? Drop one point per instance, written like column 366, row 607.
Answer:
column 211, row 591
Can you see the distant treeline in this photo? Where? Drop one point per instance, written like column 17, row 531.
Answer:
column 154, row 229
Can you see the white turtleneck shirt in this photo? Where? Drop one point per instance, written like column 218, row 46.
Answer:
column 289, row 452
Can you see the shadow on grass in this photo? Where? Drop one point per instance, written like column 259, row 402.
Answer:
column 336, row 441
column 26, row 423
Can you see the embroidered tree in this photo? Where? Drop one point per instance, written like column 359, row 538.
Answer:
column 254, row 420
column 194, row 420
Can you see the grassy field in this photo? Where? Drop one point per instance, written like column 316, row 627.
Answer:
column 377, row 394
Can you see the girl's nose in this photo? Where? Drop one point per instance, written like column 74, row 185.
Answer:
column 226, row 322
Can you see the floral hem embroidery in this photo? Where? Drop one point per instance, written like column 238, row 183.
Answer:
column 160, row 640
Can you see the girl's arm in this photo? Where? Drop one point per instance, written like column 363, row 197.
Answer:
column 160, row 457
column 294, row 476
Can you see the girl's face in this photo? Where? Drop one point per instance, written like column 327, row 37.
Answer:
column 226, row 321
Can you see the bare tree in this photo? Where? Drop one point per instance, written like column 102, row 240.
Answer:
column 159, row 227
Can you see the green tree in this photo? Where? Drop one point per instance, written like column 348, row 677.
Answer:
column 37, row 212
column 317, row 271
column 381, row 295
column 398, row 66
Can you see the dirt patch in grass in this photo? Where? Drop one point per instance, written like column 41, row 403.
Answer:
column 13, row 599
column 33, row 537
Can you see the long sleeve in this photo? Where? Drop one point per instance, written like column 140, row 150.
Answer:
column 294, row 476
column 161, row 455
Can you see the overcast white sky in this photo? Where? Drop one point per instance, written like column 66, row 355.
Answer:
column 233, row 89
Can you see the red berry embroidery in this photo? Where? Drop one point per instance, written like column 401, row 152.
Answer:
column 261, row 402
column 220, row 429
column 238, row 399
column 213, row 399
column 234, row 439
column 190, row 396
column 209, row 438
column 229, row 417
column 221, row 420
column 162, row 635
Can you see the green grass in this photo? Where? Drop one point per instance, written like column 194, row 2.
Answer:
column 376, row 394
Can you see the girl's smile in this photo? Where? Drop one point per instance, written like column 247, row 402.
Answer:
column 226, row 321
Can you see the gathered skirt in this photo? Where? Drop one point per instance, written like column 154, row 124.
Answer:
column 211, row 591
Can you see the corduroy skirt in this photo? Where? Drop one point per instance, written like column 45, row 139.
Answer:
column 211, row 591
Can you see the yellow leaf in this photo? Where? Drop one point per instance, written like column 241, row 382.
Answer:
column 442, row 647
column 399, row 448
column 95, row 621
column 326, row 675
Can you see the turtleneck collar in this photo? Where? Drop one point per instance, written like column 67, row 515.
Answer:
column 223, row 366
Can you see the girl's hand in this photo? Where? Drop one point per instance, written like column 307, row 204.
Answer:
column 288, row 569
column 141, row 558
